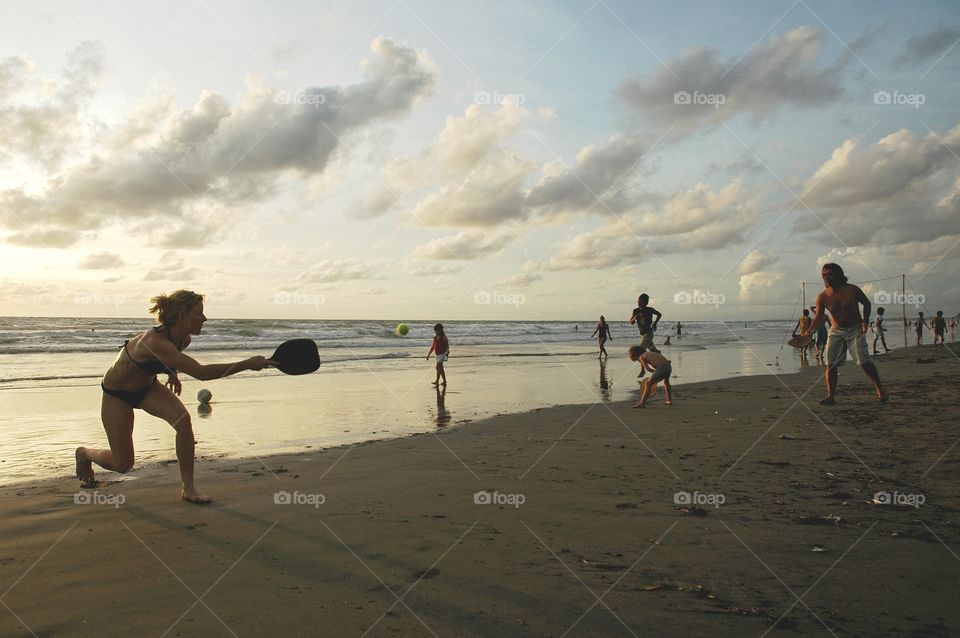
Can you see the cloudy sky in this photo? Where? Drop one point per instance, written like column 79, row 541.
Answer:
column 497, row 160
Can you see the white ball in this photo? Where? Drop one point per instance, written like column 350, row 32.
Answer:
column 204, row 396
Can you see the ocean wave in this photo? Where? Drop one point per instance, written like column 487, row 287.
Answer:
column 56, row 377
column 64, row 335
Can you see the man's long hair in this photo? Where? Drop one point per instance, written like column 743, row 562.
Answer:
column 837, row 271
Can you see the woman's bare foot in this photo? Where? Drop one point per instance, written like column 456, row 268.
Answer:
column 193, row 496
column 639, row 405
column 883, row 395
column 828, row 401
column 85, row 468
column 668, row 402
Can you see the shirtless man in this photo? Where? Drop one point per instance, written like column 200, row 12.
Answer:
column 939, row 326
column 843, row 300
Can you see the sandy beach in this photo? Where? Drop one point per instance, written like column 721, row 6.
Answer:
column 585, row 535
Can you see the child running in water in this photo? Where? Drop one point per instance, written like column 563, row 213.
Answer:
column 661, row 369
column 442, row 347
column 879, row 330
column 939, row 327
column 921, row 322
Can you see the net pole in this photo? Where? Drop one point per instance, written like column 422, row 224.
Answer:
column 903, row 307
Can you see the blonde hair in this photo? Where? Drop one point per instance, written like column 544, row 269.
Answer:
column 171, row 308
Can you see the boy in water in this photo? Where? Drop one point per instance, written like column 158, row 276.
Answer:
column 879, row 330
column 939, row 327
column 820, row 343
column 921, row 322
column 643, row 317
column 661, row 369
column 843, row 300
column 441, row 346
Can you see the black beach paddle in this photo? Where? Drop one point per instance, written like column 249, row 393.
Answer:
column 297, row 356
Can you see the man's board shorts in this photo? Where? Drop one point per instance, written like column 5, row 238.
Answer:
column 843, row 340
column 646, row 341
column 442, row 358
column 821, row 335
column 662, row 373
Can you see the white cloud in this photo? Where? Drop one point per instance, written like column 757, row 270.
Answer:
column 100, row 261
column 463, row 245
column 332, row 270
column 214, row 153
column 597, row 180
column 928, row 47
column 902, row 188
column 464, row 143
column 698, row 218
column 763, row 288
column 40, row 116
column 489, row 196
column 780, row 72
column 757, row 260
column 470, row 177
column 429, row 269
column 529, row 275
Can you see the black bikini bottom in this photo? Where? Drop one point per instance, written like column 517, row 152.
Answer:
column 133, row 397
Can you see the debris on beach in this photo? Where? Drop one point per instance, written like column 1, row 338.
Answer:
column 819, row 550
column 696, row 589
column 829, row 519
column 430, row 573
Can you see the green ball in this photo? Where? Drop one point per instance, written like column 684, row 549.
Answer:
column 402, row 329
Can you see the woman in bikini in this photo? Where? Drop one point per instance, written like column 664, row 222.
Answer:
column 603, row 330
column 131, row 382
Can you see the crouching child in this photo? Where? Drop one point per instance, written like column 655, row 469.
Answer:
column 660, row 367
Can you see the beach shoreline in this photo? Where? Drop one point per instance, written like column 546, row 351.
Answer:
column 585, row 506
column 259, row 414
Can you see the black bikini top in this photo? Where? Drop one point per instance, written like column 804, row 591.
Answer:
column 151, row 367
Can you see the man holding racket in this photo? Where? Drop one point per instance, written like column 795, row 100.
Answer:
column 131, row 382
column 843, row 300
